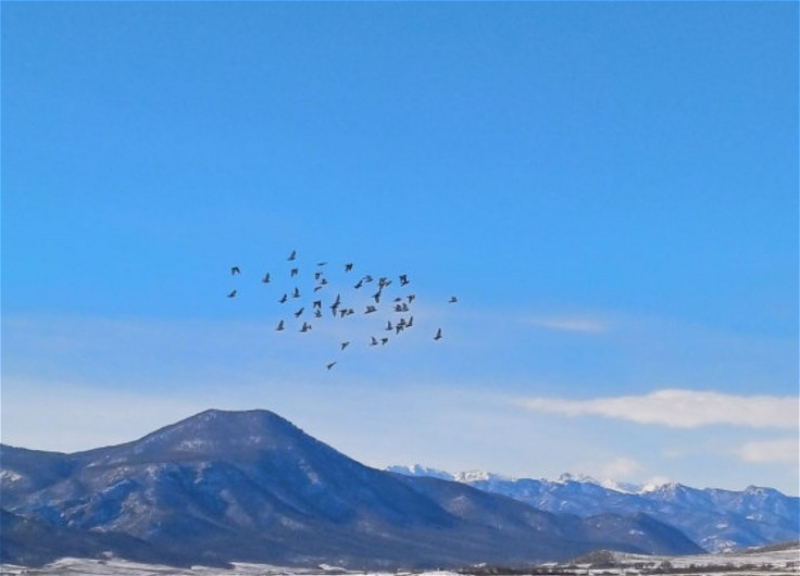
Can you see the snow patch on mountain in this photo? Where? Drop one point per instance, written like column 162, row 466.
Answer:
column 719, row 520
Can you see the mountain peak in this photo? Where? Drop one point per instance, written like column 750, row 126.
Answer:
column 419, row 470
column 211, row 434
column 579, row 478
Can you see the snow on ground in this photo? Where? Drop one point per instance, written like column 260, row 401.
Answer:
column 772, row 563
column 90, row 567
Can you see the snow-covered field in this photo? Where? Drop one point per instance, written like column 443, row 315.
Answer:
column 773, row 563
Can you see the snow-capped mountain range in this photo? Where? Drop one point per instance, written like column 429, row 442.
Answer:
column 222, row 487
column 717, row 519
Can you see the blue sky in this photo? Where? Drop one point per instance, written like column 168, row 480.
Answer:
column 610, row 189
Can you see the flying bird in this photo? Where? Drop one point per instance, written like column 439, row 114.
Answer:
column 297, row 314
column 293, row 272
column 306, row 327
column 279, row 327
column 265, row 279
column 370, row 309
column 283, row 299
column 330, row 365
column 296, row 293
column 348, row 267
column 232, row 294
column 374, row 341
column 345, row 344
column 293, row 255
column 438, row 334
column 359, row 284
column 403, row 279
column 235, row 270
column 453, row 300
column 384, row 341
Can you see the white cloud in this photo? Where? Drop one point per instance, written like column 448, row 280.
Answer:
column 621, row 468
column 571, row 324
column 785, row 450
column 681, row 409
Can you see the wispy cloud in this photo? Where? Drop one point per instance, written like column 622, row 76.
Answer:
column 784, row 450
column 681, row 409
column 586, row 325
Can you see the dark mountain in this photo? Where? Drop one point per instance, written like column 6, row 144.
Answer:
column 716, row 519
column 250, row 486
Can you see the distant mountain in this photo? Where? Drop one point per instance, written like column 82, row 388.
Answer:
column 716, row 519
column 250, row 486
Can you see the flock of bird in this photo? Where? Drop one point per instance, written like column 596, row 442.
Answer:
column 316, row 307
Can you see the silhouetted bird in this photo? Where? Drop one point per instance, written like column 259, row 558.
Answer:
column 438, row 334
column 279, row 327
column 331, row 365
column 321, row 263
column 293, row 272
column 410, row 322
column 265, row 279
column 283, row 299
column 235, row 270
column 293, row 255
column 370, row 309
column 232, row 294
column 317, row 275
column 411, row 298
column 297, row 314
column 453, row 300
column 345, row 344
column 348, row 267
column 318, row 314
column 317, row 304
column 403, row 279
column 296, row 293
column 374, row 341
column 306, row 327
column 359, row 284
column 389, row 325
column 384, row 341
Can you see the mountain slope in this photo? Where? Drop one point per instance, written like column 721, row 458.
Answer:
column 716, row 519
column 250, row 486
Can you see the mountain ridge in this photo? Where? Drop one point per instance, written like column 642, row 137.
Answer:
column 717, row 519
column 226, row 486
